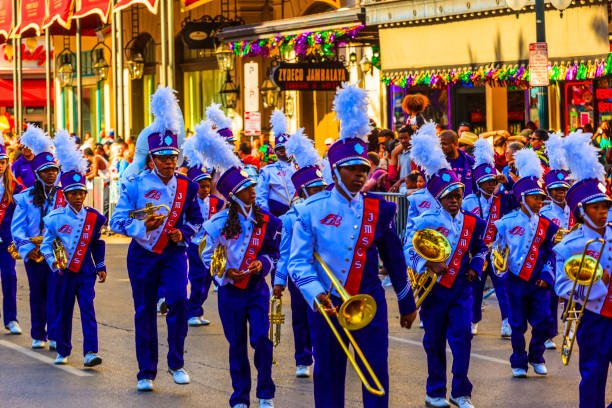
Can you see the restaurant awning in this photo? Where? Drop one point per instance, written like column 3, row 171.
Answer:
column 6, row 19
column 34, row 92
column 59, row 12
column 124, row 4
column 31, row 18
column 93, row 12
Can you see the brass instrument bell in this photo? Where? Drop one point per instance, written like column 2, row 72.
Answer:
column 500, row 261
column 432, row 246
column 277, row 319
column 12, row 249
column 218, row 261
column 149, row 211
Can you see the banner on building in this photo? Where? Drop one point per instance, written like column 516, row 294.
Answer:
column 124, row 4
column 310, row 76
column 6, row 19
column 33, row 13
column 86, row 8
column 191, row 4
column 59, row 11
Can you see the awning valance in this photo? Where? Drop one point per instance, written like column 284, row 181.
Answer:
column 59, row 12
column 93, row 9
column 34, row 92
column 123, row 4
column 31, row 17
column 6, row 19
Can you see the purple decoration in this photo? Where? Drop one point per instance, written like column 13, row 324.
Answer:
column 73, row 180
column 233, row 181
column 347, row 152
column 163, row 144
column 443, row 181
column 309, row 176
column 43, row 161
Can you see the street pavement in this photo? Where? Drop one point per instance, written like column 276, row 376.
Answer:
column 29, row 379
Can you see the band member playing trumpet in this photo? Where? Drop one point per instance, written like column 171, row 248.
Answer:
column 31, row 206
column 447, row 311
column 157, row 254
column 589, row 205
column 77, row 230
column 488, row 203
column 250, row 237
column 308, row 181
column 347, row 230
column 530, row 271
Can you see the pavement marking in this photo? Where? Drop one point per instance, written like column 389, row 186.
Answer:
column 448, row 350
column 44, row 359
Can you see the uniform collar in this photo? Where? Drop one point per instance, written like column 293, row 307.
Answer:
column 71, row 210
column 455, row 222
column 335, row 193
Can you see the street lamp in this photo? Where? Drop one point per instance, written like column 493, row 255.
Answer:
column 366, row 65
column 229, row 93
column 269, row 91
column 289, row 105
column 225, row 57
column 516, row 5
column 100, row 66
column 65, row 69
column 561, row 5
column 135, row 61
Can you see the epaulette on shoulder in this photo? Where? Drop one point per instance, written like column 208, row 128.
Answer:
column 220, row 215
column 56, row 211
column 512, row 213
column 574, row 234
column 317, row 197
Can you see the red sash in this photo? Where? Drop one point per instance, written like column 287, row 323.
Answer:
column 86, row 234
column 4, row 205
column 494, row 213
column 469, row 222
column 60, row 201
column 365, row 240
column 606, row 308
column 534, row 249
column 252, row 250
column 212, row 206
column 175, row 213
column 572, row 221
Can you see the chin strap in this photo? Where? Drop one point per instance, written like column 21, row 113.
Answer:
column 345, row 190
column 485, row 194
column 155, row 167
column 246, row 211
column 531, row 214
column 587, row 219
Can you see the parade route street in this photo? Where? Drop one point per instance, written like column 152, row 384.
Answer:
column 28, row 377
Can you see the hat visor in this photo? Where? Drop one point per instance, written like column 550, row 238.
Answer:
column 486, row 178
column 47, row 166
column 355, row 161
column 74, row 187
column 535, row 192
column 202, row 177
column 316, row 183
column 558, row 184
column 450, row 188
column 3, row 156
column 247, row 183
column 598, row 198
column 165, row 152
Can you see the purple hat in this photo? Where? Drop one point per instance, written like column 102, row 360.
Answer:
column 233, row 181
column 442, row 183
column 43, row 161
column 163, row 144
column 3, row 154
column 280, row 140
column 347, row 152
column 484, row 172
column 585, row 192
column 197, row 174
column 73, row 180
column 309, row 176
column 527, row 186
column 556, row 179
column 530, row 169
column 227, row 134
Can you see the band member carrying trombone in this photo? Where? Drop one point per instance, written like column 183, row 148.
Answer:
column 337, row 241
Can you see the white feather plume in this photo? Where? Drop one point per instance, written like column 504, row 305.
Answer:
column 302, row 148
column 165, row 110
column 426, row 151
column 351, row 107
column 36, row 140
column 483, row 152
column 327, row 172
column 68, row 154
column 582, row 157
column 555, row 152
column 217, row 117
column 191, row 152
column 528, row 163
column 214, row 148
column 278, row 122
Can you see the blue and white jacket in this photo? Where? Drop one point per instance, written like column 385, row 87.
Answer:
column 274, row 183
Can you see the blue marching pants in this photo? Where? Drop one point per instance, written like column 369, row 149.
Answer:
column 8, row 275
column 593, row 336
column 200, row 279
column 554, row 312
column 330, row 360
column 147, row 271
column 80, row 286
column 42, row 300
column 447, row 314
column 528, row 304
column 237, row 307
column 299, row 324
column 500, row 293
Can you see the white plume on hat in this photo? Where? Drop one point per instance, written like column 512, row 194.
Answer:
column 191, row 152
column 213, row 147
column 36, row 140
column 351, row 107
column 68, row 154
column 302, row 148
column 555, row 152
column 217, row 117
column 278, row 122
column 582, row 157
column 483, row 153
column 528, row 163
column 426, row 151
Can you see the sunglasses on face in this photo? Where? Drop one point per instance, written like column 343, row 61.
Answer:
column 167, row 157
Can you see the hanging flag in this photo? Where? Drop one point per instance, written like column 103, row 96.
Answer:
column 123, row 4
column 59, row 11
column 99, row 8
column 187, row 5
column 32, row 17
column 6, row 19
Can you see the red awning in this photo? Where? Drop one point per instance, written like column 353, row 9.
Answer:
column 59, row 12
column 123, row 4
column 32, row 17
column 6, row 19
column 34, row 92
column 93, row 12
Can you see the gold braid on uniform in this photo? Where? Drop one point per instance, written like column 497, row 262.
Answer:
column 232, row 227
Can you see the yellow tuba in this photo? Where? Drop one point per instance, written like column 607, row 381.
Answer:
column 500, row 261
column 149, row 211
column 277, row 318
column 12, row 249
column 434, row 247
column 583, row 270
column 59, row 253
column 354, row 313
column 218, row 261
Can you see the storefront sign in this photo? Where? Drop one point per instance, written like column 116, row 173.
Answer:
column 538, row 64
column 252, row 123
column 604, row 100
column 305, row 76
column 251, row 87
column 34, row 59
column 202, row 33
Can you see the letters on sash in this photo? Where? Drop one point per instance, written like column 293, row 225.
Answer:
column 212, row 205
column 60, row 201
column 572, row 221
column 81, row 249
column 494, row 213
column 366, row 238
column 175, row 213
column 255, row 244
column 534, row 249
column 606, row 308
column 469, row 222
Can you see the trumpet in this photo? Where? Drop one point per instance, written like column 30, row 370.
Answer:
column 60, row 254
column 12, row 249
column 277, row 318
column 202, row 246
column 149, row 211
column 434, row 247
column 583, row 270
column 218, row 261
column 354, row 313
column 500, row 262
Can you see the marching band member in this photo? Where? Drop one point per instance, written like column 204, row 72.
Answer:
column 446, row 313
column 528, row 238
column 250, row 237
column 77, row 230
column 157, row 254
column 490, row 205
column 308, row 181
column 22, row 167
column 556, row 184
column 461, row 163
column 8, row 188
column 589, row 204
column 349, row 230
column 31, row 206
column 274, row 189
column 199, row 276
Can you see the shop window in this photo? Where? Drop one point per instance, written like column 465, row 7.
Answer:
column 516, row 110
column 578, row 105
column 437, row 110
column 470, row 106
column 201, row 89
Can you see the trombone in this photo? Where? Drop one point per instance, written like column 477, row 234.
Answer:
column 354, row 313
column 583, row 270
column 277, row 318
column 431, row 246
column 149, row 211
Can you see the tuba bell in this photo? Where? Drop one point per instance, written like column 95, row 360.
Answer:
column 149, row 211
column 218, row 261
column 583, row 270
column 59, row 253
column 12, row 249
column 277, row 318
column 434, row 247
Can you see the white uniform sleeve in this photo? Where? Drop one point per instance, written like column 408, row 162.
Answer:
column 120, row 221
column 19, row 226
column 262, row 189
column 46, row 248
